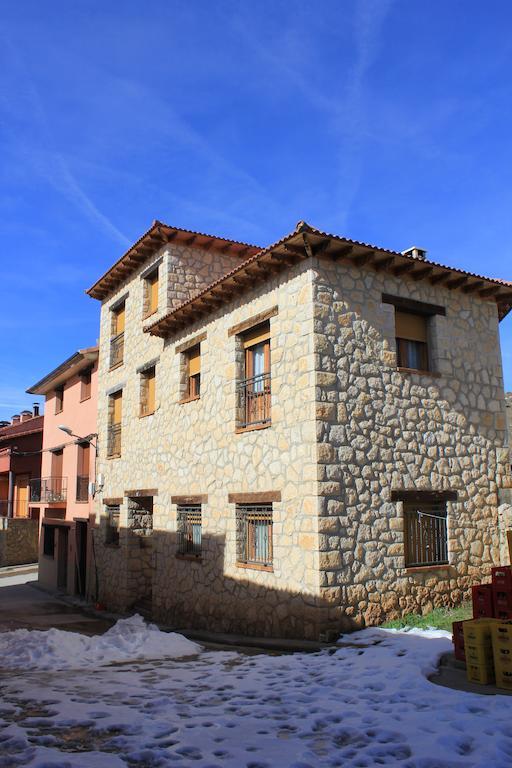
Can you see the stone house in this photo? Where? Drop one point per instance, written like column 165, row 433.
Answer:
column 295, row 439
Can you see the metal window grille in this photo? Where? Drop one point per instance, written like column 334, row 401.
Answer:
column 189, row 530
column 254, row 533
column 112, row 530
column 117, row 349
column 114, row 440
column 48, row 489
column 426, row 534
column 254, row 400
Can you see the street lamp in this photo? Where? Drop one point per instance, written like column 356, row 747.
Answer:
column 86, row 439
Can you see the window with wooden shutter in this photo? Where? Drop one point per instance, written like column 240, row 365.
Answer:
column 85, row 384
column 194, row 372
column 411, row 332
column 117, row 335
column 82, row 471
column 151, row 293
column 147, row 392
column 59, row 399
column 254, row 390
column 114, row 429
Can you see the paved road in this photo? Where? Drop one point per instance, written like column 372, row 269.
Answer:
column 20, row 574
column 25, row 606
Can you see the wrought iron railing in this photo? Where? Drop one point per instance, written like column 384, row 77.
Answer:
column 48, row 489
column 116, row 349
column 189, row 530
column 82, row 487
column 114, row 440
column 426, row 535
column 254, row 534
column 253, row 400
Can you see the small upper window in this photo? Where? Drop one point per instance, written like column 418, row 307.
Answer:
column 151, row 293
column 411, row 340
column 85, row 384
column 59, row 399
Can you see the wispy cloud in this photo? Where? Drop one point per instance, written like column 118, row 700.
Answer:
column 36, row 150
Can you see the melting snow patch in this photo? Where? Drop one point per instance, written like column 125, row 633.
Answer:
column 128, row 640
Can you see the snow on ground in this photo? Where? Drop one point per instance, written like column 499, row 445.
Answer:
column 128, row 640
column 367, row 703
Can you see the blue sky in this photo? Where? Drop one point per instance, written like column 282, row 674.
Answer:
column 387, row 121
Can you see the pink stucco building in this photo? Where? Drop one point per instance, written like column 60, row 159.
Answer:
column 63, row 493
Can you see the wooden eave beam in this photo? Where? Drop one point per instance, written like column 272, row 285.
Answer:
column 341, row 252
column 422, row 273
column 473, row 286
column 491, row 291
column 316, row 249
column 457, row 283
column 361, row 259
column 296, row 249
column 441, row 277
column 403, row 268
column 383, row 264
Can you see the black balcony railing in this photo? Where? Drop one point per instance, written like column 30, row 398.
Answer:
column 253, row 399
column 50, row 490
column 116, row 350
column 114, row 440
column 82, row 487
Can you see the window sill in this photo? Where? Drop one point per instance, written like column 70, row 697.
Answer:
column 114, row 456
column 256, row 567
column 144, row 415
column 433, row 567
column 117, row 365
column 419, row 372
column 84, row 399
column 150, row 314
column 81, row 501
column 190, row 558
column 189, row 399
column 252, row 428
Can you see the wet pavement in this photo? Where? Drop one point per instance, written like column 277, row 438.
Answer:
column 26, row 606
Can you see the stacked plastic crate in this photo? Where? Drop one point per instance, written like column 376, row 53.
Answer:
column 484, row 643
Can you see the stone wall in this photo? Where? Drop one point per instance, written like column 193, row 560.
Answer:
column 19, row 538
column 380, row 429
column 193, row 448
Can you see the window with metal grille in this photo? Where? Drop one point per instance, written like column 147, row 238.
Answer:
column 254, row 533
column 426, row 533
column 254, row 390
column 117, row 335
column 112, row 528
column 48, row 540
column 189, row 530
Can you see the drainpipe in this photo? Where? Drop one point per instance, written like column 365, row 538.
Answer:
column 10, row 495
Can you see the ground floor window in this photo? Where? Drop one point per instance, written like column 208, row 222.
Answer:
column 112, row 528
column 254, row 534
column 49, row 540
column 189, row 529
column 426, row 533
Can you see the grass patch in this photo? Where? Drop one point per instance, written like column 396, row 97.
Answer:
column 440, row 618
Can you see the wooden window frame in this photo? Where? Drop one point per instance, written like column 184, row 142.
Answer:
column 112, row 531
column 114, row 427
column 85, row 384
column 146, row 408
column 254, row 392
column 247, row 518
column 59, row 399
column 188, row 516
column 426, row 537
column 150, row 305
column 117, row 334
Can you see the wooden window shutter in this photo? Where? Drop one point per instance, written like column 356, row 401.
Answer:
column 150, row 384
column 57, row 463
column 256, row 335
column 194, row 361
column 120, row 316
column 411, row 327
column 83, row 459
column 118, row 408
column 153, row 300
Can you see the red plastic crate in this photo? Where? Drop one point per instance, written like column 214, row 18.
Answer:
column 502, row 614
column 458, row 631
column 483, row 601
column 502, row 577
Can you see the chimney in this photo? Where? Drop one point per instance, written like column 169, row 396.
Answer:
column 26, row 415
column 415, row 252
column 15, row 419
column 35, row 409
column 4, row 424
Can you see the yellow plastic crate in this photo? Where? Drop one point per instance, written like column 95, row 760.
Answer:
column 504, row 679
column 479, row 654
column 502, row 634
column 480, row 673
column 502, row 655
column 478, row 632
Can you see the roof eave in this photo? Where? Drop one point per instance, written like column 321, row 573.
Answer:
column 64, row 371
